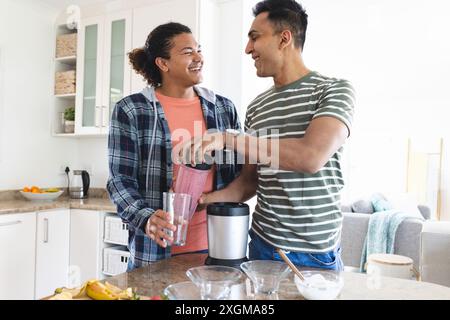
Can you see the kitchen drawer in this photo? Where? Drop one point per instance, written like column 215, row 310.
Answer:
column 115, row 260
column 115, row 231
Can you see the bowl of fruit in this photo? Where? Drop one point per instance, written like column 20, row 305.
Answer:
column 40, row 194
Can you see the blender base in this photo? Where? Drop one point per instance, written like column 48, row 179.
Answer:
column 235, row 263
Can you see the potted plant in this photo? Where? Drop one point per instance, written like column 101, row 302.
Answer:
column 69, row 120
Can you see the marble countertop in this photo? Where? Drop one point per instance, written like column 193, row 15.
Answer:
column 13, row 202
column 151, row 280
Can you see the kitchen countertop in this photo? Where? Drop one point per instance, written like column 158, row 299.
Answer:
column 13, row 202
column 152, row 280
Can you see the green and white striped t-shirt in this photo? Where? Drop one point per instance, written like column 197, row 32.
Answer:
column 298, row 211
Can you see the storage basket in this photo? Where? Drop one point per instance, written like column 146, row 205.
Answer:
column 66, row 45
column 115, row 231
column 65, row 82
column 115, row 260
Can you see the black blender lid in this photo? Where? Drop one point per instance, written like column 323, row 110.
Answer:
column 200, row 166
column 228, row 209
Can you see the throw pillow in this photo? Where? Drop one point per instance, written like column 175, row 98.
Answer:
column 362, row 206
column 380, row 203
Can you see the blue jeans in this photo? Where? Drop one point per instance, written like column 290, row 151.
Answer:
column 261, row 250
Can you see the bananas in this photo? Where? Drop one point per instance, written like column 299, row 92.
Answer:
column 106, row 291
column 96, row 290
column 99, row 291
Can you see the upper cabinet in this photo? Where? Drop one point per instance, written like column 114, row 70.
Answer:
column 102, row 70
column 105, row 34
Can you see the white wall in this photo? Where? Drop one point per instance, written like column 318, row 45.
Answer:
column 29, row 155
column 395, row 54
column 92, row 155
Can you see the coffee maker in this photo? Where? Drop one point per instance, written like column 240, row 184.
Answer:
column 227, row 224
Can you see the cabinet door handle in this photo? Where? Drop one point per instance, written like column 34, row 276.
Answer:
column 98, row 114
column 5, row 224
column 45, row 230
column 104, row 116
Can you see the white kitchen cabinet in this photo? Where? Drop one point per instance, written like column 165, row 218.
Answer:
column 17, row 256
column 52, row 251
column 86, row 245
column 103, row 71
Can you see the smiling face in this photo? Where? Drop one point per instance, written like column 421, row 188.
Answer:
column 184, row 67
column 264, row 46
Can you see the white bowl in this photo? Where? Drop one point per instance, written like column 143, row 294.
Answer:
column 320, row 284
column 45, row 196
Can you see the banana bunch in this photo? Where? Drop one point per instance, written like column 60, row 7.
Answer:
column 96, row 290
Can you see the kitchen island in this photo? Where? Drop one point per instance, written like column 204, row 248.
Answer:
column 151, row 280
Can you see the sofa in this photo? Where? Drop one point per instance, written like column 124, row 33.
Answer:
column 354, row 230
column 435, row 252
column 427, row 242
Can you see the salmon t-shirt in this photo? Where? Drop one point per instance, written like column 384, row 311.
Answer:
column 185, row 119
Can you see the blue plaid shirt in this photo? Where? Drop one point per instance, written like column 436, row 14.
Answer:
column 129, row 140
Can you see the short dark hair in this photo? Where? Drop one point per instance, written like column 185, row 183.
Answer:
column 285, row 14
column 158, row 44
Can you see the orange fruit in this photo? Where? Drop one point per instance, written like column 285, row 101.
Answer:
column 35, row 189
column 26, row 189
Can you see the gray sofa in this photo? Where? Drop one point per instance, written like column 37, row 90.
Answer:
column 354, row 230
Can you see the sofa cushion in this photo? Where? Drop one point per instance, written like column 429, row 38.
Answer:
column 362, row 206
column 346, row 208
column 354, row 230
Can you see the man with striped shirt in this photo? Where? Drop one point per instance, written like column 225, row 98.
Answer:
column 307, row 116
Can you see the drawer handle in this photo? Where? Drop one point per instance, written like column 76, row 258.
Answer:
column 105, row 116
column 98, row 114
column 5, row 224
column 46, row 230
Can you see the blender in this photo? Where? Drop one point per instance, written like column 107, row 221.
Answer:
column 227, row 224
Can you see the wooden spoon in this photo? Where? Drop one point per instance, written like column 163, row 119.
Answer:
column 290, row 264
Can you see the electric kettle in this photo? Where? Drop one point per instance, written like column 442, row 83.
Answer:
column 79, row 186
column 227, row 227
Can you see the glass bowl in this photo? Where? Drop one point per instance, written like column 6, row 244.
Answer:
column 265, row 276
column 185, row 290
column 320, row 284
column 214, row 282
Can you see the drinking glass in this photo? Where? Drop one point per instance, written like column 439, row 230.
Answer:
column 177, row 205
